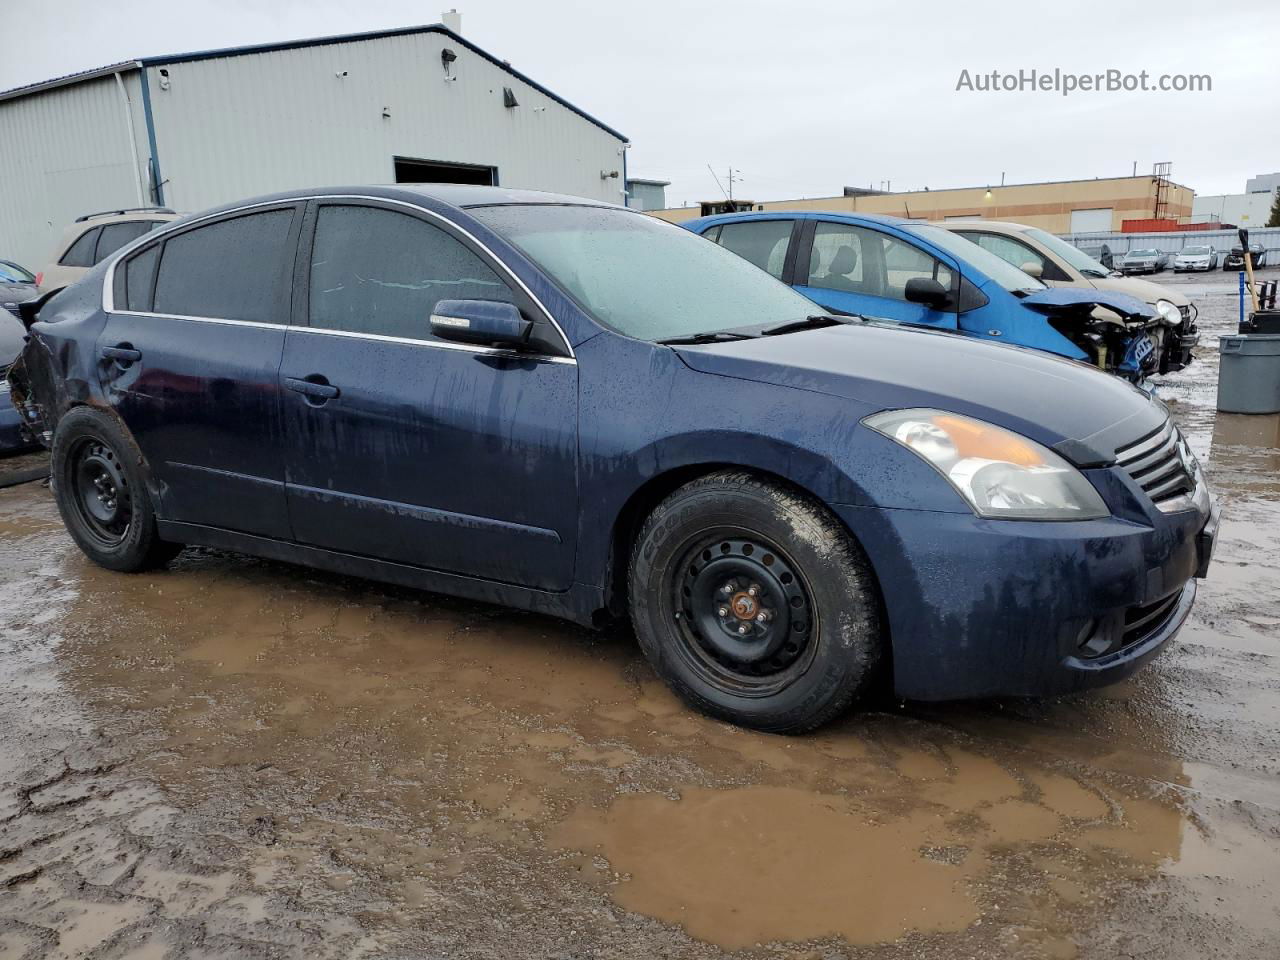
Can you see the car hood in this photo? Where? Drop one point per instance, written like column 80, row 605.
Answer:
column 1070, row 299
column 1144, row 290
column 1082, row 413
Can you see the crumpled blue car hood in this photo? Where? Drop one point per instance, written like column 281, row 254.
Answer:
column 1063, row 299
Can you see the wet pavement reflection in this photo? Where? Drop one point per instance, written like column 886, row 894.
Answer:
column 240, row 758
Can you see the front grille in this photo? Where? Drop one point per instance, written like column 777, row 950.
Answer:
column 1161, row 464
column 1185, row 312
column 1142, row 621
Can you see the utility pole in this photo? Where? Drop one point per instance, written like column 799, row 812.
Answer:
column 733, row 176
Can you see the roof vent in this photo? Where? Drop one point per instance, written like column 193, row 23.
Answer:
column 509, row 99
column 452, row 20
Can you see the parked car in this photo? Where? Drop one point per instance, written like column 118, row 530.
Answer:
column 917, row 273
column 1235, row 259
column 1200, row 257
column 1144, row 260
column 16, row 284
column 93, row 238
column 1099, row 252
column 12, row 437
column 1059, row 264
column 578, row 409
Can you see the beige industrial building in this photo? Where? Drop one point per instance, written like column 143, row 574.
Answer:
column 1062, row 206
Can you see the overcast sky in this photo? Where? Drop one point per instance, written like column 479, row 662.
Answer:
column 801, row 96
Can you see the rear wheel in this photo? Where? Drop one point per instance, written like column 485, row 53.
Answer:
column 754, row 604
column 100, row 490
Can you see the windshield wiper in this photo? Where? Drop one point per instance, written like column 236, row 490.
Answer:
column 808, row 323
column 715, row 336
column 1090, row 272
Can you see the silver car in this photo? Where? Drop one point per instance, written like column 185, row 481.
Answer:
column 1196, row 258
column 1147, row 260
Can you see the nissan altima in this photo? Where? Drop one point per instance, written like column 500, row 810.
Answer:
column 574, row 408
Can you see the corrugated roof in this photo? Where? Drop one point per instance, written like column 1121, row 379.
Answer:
column 297, row 45
column 69, row 79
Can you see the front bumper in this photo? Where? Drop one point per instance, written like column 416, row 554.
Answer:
column 982, row 608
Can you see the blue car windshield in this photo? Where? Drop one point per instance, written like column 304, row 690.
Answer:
column 641, row 276
column 981, row 259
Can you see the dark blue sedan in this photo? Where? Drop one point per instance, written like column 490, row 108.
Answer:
column 573, row 408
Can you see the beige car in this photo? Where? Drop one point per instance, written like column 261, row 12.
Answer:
column 93, row 238
column 1057, row 263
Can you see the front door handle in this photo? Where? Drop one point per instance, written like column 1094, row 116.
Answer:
column 315, row 388
column 122, row 353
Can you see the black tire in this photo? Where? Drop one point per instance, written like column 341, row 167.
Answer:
column 99, row 485
column 817, row 650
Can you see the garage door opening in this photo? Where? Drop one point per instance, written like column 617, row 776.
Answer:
column 409, row 170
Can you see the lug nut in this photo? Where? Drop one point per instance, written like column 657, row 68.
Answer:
column 762, row 616
column 743, row 629
column 728, row 587
column 722, row 611
column 754, row 589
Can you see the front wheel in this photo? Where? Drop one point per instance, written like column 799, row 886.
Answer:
column 99, row 486
column 754, row 604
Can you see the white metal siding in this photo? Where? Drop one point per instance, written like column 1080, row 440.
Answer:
column 63, row 153
column 234, row 127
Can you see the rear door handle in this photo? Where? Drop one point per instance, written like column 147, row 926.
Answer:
column 314, row 386
column 122, row 354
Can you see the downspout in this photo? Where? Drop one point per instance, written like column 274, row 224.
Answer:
column 151, row 136
column 133, row 145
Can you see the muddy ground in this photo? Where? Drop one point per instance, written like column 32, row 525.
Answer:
column 236, row 758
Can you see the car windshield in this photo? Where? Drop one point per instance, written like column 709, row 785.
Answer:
column 12, row 273
column 643, row 277
column 1195, row 251
column 997, row 268
column 1067, row 253
column 1143, row 253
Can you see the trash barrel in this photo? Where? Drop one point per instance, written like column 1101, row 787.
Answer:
column 1249, row 373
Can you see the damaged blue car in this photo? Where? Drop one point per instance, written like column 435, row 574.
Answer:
column 920, row 274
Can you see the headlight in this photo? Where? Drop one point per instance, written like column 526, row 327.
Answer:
column 1168, row 312
column 1001, row 474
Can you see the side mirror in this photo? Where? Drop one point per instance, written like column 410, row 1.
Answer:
column 927, row 291
column 1032, row 269
column 488, row 323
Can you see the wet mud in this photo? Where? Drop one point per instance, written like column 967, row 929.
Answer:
column 236, row 758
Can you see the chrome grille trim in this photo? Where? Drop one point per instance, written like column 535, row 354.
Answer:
column 1162, row 465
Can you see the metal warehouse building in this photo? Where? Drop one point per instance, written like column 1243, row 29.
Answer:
column 419, row 104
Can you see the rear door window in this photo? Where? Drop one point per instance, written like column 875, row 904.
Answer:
column 235, row 269
column 382, row 272
column 139, row 278
column 763, row 242
column 80, row 253
column 116, row 235
column 1007, row 249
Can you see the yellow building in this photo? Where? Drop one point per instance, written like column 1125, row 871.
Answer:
column 1061, row 206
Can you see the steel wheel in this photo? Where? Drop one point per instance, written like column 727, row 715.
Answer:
column 100, row 493
column 744, row 614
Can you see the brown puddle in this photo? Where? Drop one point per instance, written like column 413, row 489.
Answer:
column 739, row 867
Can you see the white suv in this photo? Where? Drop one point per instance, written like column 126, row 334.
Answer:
column 93, row 238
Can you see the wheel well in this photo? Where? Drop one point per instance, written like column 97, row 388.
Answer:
column 631, row 518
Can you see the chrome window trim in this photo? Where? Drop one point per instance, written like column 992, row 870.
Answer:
column 440, row 344
column 109, row 278
column 355, row 335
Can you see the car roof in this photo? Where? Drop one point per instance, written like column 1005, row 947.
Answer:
column 458, row 196
column 880, row 218
column 1000, row 226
